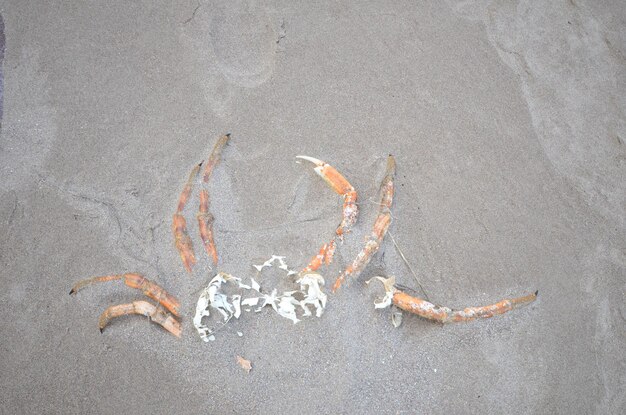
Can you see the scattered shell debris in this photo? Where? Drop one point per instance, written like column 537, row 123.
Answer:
column 211, row 297
column 292, row 304
column 281, row 264
column 306, row 296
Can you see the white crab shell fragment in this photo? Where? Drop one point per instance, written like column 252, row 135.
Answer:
column 270, row 299
column 310, row 285
column 281, row 264
column 250, row 302
column 287, row 304
column 287, row 308
column 211, row 297
column 396, row 317
column 388, row 283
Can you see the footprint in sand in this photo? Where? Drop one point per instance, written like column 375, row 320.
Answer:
column 234, row 46
column 244, row 42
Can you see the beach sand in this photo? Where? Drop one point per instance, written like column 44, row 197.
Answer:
column 507, row 123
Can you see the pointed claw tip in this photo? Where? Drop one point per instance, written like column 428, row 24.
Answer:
column 72, row 291
column 311, row 159
column 101, row 331
column 536, row 293
column 227, row 135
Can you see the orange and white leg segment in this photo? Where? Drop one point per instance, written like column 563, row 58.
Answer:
column 182, row 240
column 343, row 188
column 442, row 314
column 205, row 224
column 324, row 257
column 139, row 282
column 214, row 157
column 204, row 217
column 144, row 308
column 184, row 195
column 379, row 230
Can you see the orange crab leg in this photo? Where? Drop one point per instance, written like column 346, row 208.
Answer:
column 430, row 311
column 342, row 187
column 157, row 315
column 205, row 223
column 184, row 195
column 183, row 241
column 325, row 256
column 349, row 212
column 139, row 282
column 179, row 225
column 379, row 230
column 214, row 157
column 204, row 217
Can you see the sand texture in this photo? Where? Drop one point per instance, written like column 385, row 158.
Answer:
column 508, row 124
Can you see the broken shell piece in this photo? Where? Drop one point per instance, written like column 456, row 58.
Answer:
column 310, row 286
column 396, row 318
column 269, row 300
column 237, row 305
column 211, row 297
column 287, row 309
column 288, row 302
column 281, row 264
column 250, row 301
column 388, row 283
column 244, row 363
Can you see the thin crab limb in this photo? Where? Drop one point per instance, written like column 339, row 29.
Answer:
column 144, row 308
column 324, row 256
column 139, row 282
column 381, row 225
column 183, row 241
column 179, row 225
column 205, row 223
column 204, row 217
column 349, row 212
column 343, row 188
column 430, row 311
column 184, row 195
column 387, row 187
column 214, row 157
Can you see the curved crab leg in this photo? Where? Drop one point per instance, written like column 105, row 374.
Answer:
column 343, row 188
column 179, row 225
column 205, row 223
column 349, row 212
column 204, row 217
column 324, row 256
column 214, row 157
column 441, row 314
column 446, row 315
column 381, row 225
column 139, row 282
column 184, row 195
column 143, row 308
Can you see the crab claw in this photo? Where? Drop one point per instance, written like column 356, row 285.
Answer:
column 343, row 188
column 334, row 179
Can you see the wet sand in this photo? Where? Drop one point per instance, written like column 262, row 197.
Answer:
column 508, row 127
